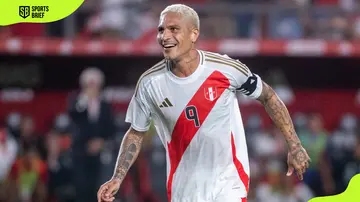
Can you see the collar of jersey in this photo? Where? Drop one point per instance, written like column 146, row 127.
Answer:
column 192, row 77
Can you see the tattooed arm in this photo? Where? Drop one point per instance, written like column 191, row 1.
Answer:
column 298, row 159
column 129, row 151
column 279, row 114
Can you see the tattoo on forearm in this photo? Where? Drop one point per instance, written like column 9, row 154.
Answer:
column 281, row 117
column 279, row 114
column 129, row 151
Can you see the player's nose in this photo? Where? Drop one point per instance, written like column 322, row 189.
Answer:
column 166, row 35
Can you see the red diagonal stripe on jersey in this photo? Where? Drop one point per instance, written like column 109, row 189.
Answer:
column 239, row 167
column 185, row 129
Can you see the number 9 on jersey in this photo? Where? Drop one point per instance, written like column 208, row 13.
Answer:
column 192, row 114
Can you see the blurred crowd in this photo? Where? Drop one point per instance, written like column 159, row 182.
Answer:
column 78, row 154
column 260, row 19
column 335, row 159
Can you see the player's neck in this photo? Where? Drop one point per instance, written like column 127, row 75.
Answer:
column 187, row 65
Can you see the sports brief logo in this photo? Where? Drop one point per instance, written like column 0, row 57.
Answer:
column 24, row 11
column 33, row 11
column 210, row 93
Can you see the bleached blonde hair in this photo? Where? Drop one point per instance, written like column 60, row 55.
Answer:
column 184, row 11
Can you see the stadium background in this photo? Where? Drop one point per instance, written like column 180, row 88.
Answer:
column 307, row 50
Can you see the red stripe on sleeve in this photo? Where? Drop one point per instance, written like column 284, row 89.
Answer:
column 185, row 129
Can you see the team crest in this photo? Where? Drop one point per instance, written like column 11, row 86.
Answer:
column 210, row 93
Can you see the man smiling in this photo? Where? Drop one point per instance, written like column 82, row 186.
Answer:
column 191, row 97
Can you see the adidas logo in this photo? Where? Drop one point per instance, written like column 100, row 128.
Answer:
column 166, row 103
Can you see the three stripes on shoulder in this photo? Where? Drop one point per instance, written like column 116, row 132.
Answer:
column 166, row 103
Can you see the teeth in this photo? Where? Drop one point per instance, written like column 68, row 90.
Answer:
column 169, row 46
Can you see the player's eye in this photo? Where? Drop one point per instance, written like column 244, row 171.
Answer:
column 173, row 29
column 160, row 29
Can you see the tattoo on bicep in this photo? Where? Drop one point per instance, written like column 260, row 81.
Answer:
column 128, row 153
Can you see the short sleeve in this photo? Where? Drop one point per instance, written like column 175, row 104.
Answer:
column 138, row 113
column 247, row 82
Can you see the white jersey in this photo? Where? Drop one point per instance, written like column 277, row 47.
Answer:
column 199, row 122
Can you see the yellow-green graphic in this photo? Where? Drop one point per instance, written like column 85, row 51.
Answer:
column 351, row 194
column 36, row 11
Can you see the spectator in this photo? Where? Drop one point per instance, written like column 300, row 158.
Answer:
column 5, row 32
column 340, row 149
column 93, row 125
column 314, row 139
column 255, row 134
column 339, row 29
column 280, row 188
column 13, row 121
column 353, row 167
column 28, row 177
column 29, row 137
column 267, row 144
column 300, row 122
column 61, row 186
column 122, row 19
column 356, row 28
column 281, row 86
column 8, row 152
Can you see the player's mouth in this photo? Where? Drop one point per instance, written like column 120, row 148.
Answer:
column 168, row 46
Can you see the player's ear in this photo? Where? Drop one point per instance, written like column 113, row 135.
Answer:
column 194, row 35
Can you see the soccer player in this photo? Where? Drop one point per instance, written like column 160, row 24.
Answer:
column 191, row 97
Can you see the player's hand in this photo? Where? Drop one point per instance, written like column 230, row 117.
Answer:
column 108, row 190
column 298, row 160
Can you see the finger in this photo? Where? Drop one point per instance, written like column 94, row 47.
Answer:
column 107, row 192
column 100, row 193
column 300, row 168
column 299, row 174
column 303, row 170
column 110, row 191
column 104, row 198
column 304, row 167
column 290, row 171
column 108, row 199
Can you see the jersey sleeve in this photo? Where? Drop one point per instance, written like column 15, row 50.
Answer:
column 247, row 82
column 138, row 113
